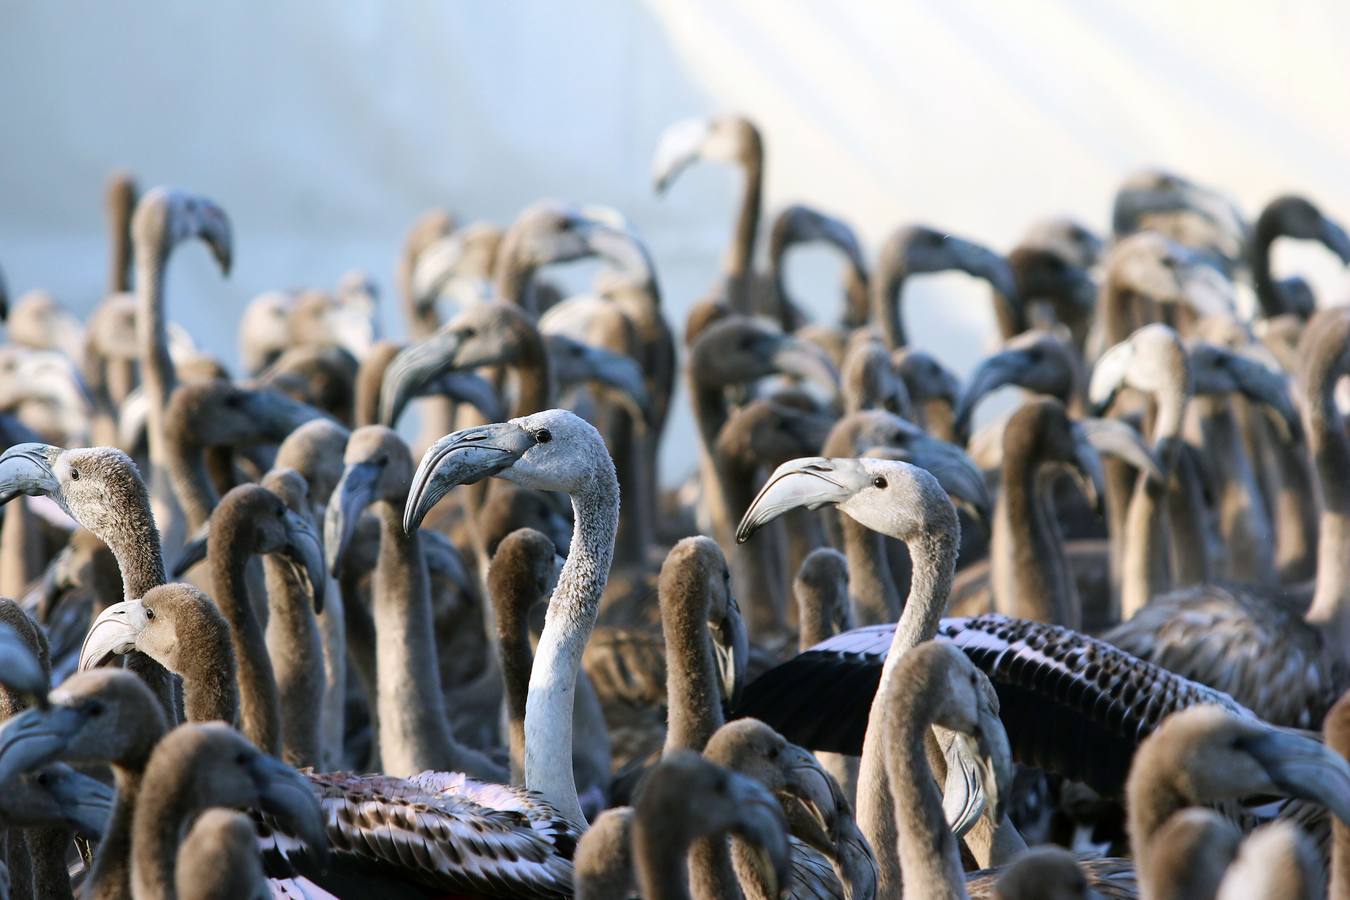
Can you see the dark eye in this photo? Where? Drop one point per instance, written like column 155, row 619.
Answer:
column 74, row 474
column 721, row 784
column 748, row 342
column 149, row 614
column 1034, row 356
column 468, row 331
column 543, row 436
column 879, row 482
column 899, row 437
column 242, row 758
column 1055, row 264
column 96, row 709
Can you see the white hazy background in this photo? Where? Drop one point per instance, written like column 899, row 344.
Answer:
column 325, row 128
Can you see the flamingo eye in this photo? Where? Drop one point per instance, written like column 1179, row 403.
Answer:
column 149, row 614
column 74, row 474
column 879, row 482
column 543, row 436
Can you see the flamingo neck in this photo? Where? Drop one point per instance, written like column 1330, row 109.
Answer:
column 567, row 627
column 157, row 369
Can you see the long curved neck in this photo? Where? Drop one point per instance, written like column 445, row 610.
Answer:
column 1028, row 569
column 260, row 712
column 692, row 693
column 162, row 815
column 567, row 628
column 517, row 658
column 1330, row 452
column 414, row 734
column 1151, row 800
column 534, row 378
column 1264, row 232
column 875, row 596
column 888, row 291
column 1144, row 567
column 134, row 543
column 186, row 465
column 934, row 559
column 1244, row 523
column 295, row 649
column 110, row 874
column 661, row 861
column 928, row 853
column 628, row 448
column 710, row 413
column 210, row 686
column 1116, row 308
column 157, row 371
column 741, row 250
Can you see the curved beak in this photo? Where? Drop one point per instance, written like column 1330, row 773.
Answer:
column 193, row 552
column 304, row 552
column 680, row 145
column 1087, row 468
column 86, row 803
column 1117, row 438
column 990, row 375
column 288, row 795
column 580, row 361
column 1304, row 768
column 36, row 736
column 810, row 804
column 1269, row 388
column 355, row 491
column 762, row 824
column 435, row 268
column 464, row 457
column 20, row 670
column 413, row 368
column 113, row 633
column 1335, row 239
column 807, row 483
column 963, row 797
column 27, row 469
column 213, row 227
column 606, row 235
column 731, row 652
column 794, row 356
column 979, row 769
column 473, row 389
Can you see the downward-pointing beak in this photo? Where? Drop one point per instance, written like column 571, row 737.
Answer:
column 1269, row 388
column 27, row 469
column 34, row 737
column 761, row 822
column 1108, row 376
column 1305, row 769
column 679, row 146
column 473, row 389
column 464, row 457
column 193, row 552
column 963, row 795
column 354, row 492
column 286, row 794
column 85, row 802
column 996, row 371
column 214, row 229
column 113, row 633
column 1336, row 240
column 810, row 483
column 305, row 552
column 413, row 368
column 1088, row 468
column 20, row 670
column 1119, row 439
column 807, row 361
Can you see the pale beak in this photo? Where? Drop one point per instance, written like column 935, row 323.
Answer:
column 1117, row 438
column 991, row 374
column 794, row 356
column 113, row 633
column 762, row 824
column 435, row 268
column 26, row 469
column 809, row 483
column 681, row 143
column 731, row 651
column 464, row 457
column 1108, row 376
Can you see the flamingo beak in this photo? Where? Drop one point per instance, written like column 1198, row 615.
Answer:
column 305, row 553
column 355, row 491
column 810, row 483
column 415, row 367
column 113, row 633
column 464, row 457
column 27, row 469
column 680, row 145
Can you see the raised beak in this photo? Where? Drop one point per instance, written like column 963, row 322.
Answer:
column 288, row 795
column 794, row 356
column 86, row 803
column 1304, row 768
column 34, row 737
column 193, row 552
column 1114, row 437
column 27, row 469
column 1335, row 239
column 475, row 390
column 990, row 375
column 20, row 670
column 113, row 633
column 809, row 483
column 413, row 368
column 304, row 552
column 355, row 491
column 761, row 823
column 464, row 457
column 680, row 144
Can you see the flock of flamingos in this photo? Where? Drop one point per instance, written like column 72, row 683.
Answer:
column 881, row 644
